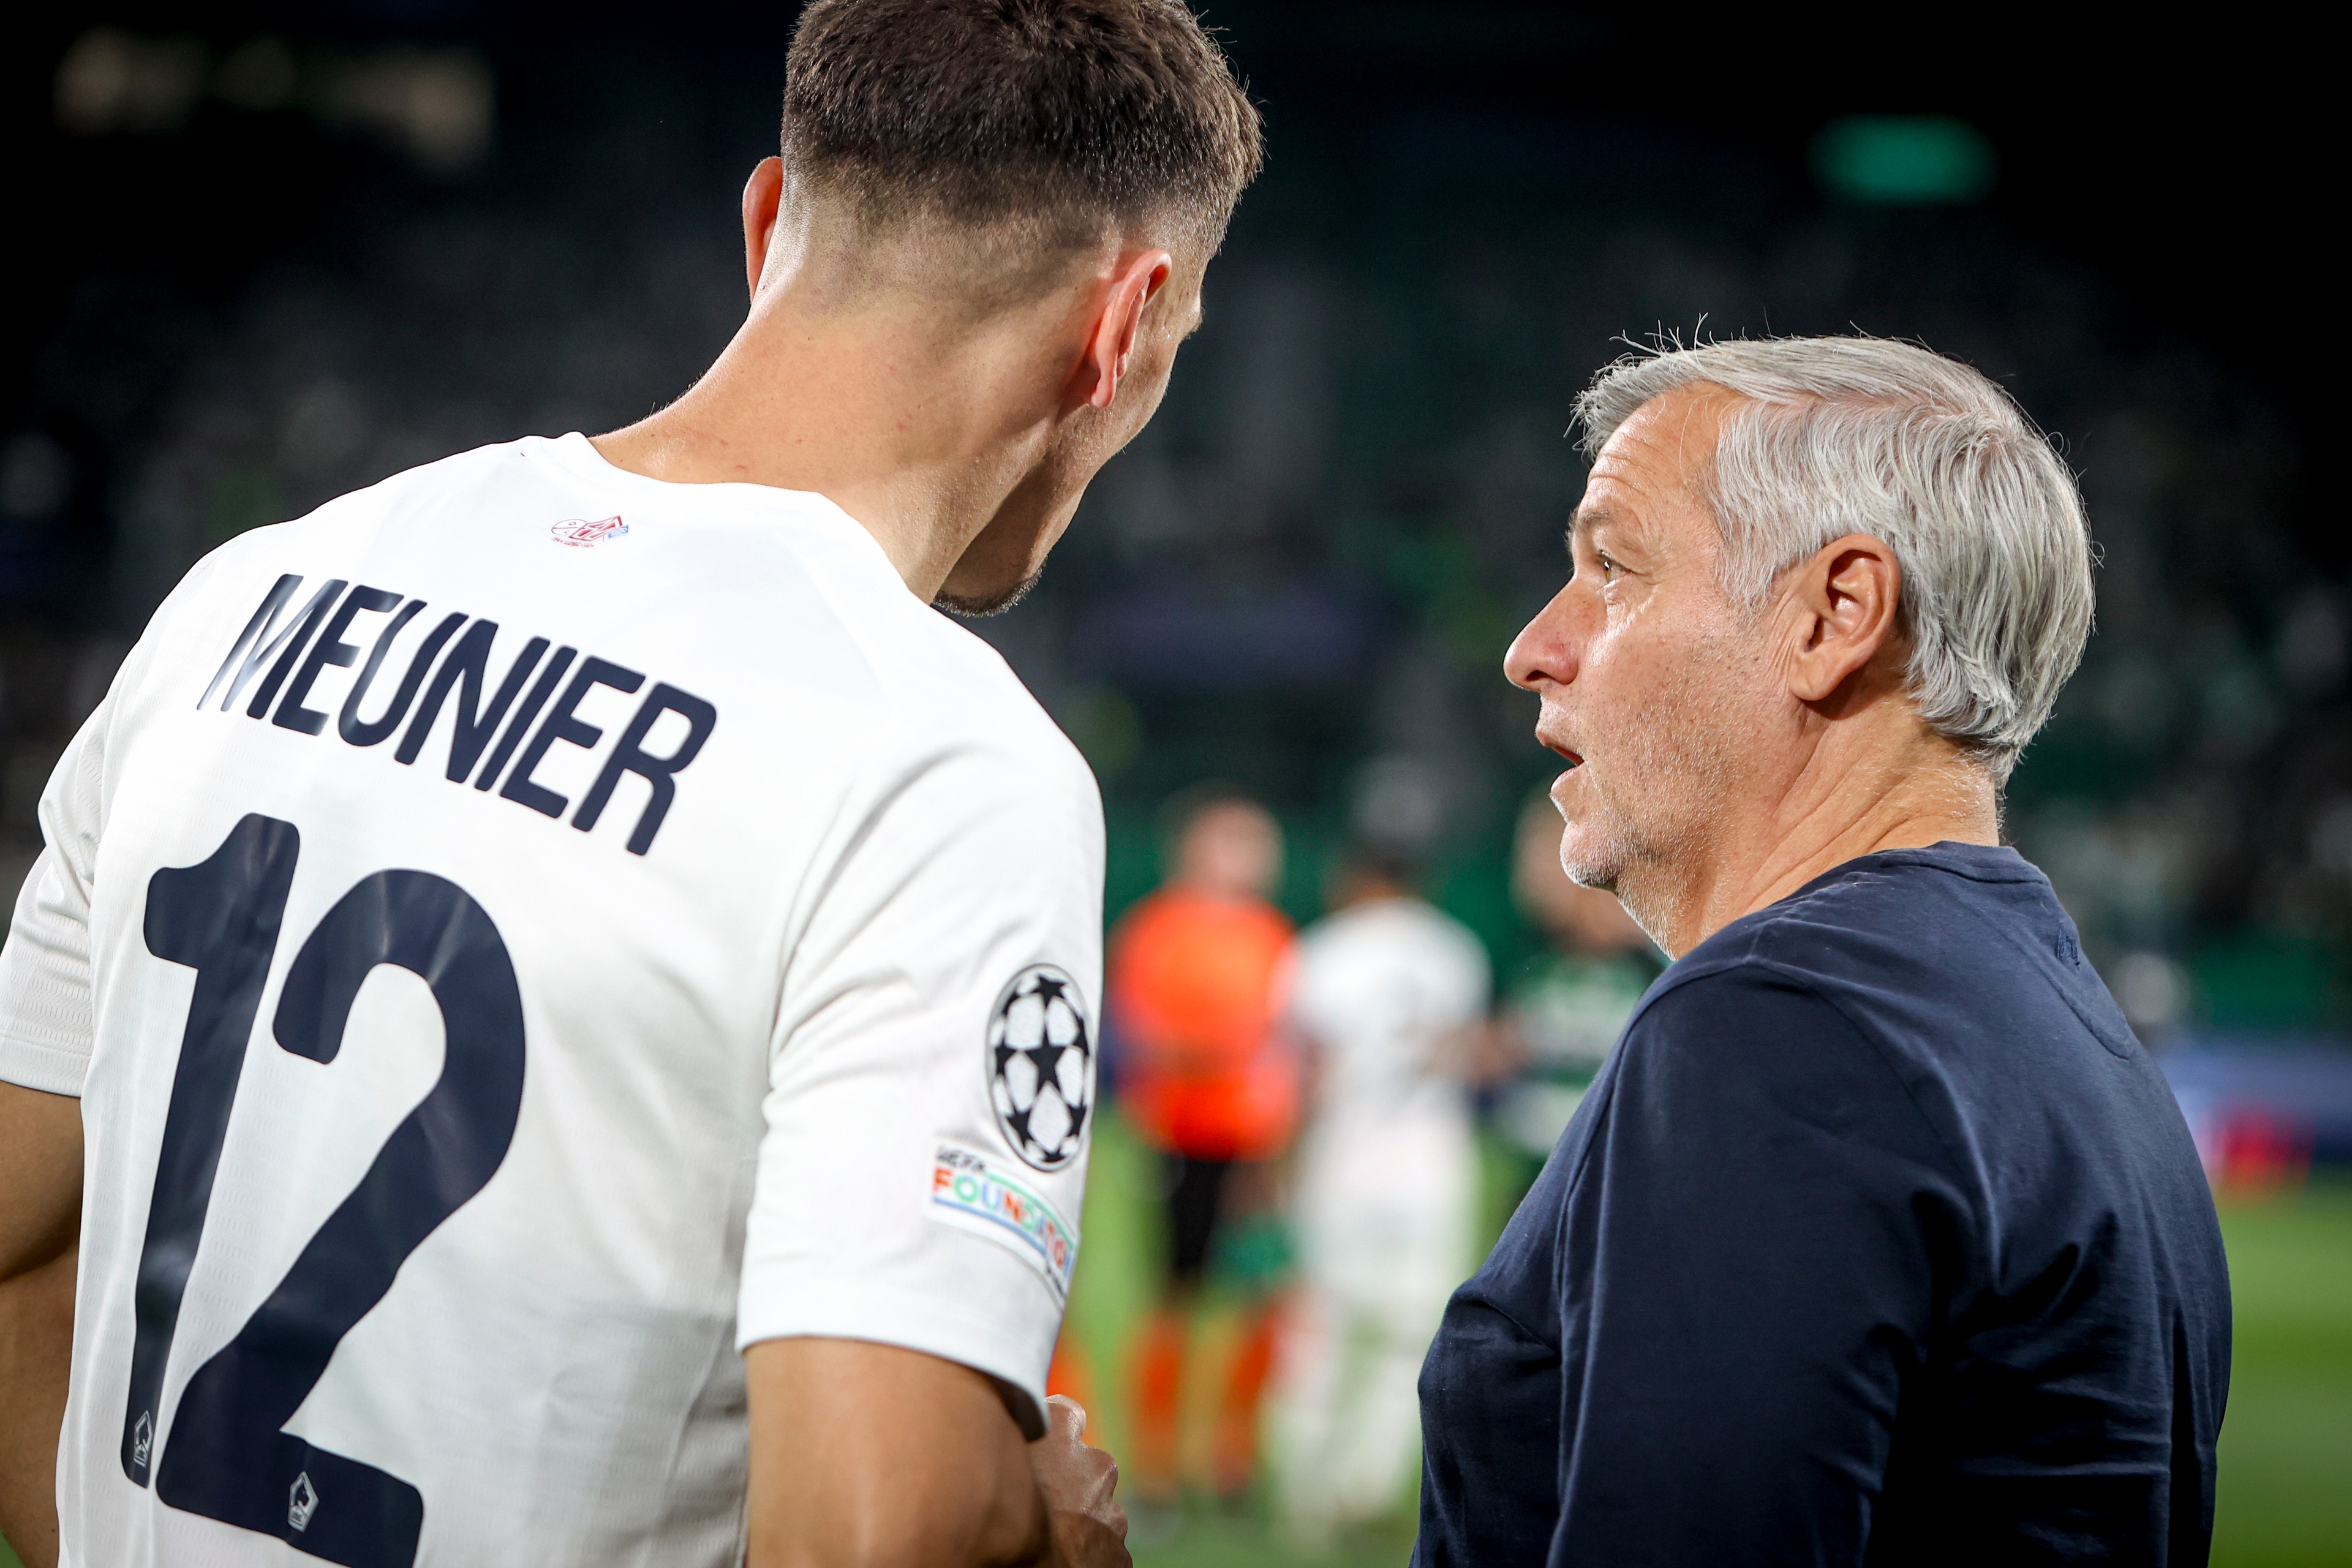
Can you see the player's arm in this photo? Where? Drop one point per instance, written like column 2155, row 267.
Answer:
column 41, row 1216
column 868, row 1456
column 915, row 1204
column 47, row 1025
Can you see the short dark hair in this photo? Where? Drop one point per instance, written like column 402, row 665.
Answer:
column 1066, row 115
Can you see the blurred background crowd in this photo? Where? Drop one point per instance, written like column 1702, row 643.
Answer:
column 264, row 252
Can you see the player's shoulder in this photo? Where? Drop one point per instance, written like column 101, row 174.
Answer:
column 778, row 596
column 221, row 582
column 1158, row 918
column 955, row 678
column 949, row 692
column 1441, row 930
column 457, row 475
column 348, row 517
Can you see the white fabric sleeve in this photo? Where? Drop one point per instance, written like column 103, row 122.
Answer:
column 932, row 1087
column 47, row 1019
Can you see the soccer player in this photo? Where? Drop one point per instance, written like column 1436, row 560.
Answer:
column 1205, row 1078
column 559, row 1004
column 1390, row 994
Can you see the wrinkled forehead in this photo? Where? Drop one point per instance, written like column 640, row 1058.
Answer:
column 1654, row 467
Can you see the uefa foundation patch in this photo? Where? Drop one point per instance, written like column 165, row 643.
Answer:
column 970, row 1194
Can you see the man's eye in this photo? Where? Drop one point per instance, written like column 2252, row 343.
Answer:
column 1609, row 568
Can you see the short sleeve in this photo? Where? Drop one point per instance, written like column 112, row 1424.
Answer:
column 46, row 1016
column 932, row 1085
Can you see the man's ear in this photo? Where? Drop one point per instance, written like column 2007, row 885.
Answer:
column 1845, row 597
column 763, row 195
column 1119, row 323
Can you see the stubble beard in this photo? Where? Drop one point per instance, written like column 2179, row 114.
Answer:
column 1645, row 821
column 979, row 606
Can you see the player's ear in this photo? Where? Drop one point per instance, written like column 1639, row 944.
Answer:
column 762, row 196
column 1119, row 322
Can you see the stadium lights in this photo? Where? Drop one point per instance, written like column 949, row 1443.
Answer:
column 1890, row 160
column 436, row 105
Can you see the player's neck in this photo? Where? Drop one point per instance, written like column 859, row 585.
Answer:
column 913, row 423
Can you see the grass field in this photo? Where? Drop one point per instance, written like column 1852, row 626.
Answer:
column 2286, row 1445
column 2287, row 1448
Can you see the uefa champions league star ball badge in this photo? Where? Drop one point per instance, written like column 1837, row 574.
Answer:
column 1041, row 1066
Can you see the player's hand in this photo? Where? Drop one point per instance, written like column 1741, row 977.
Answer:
column 1078, row 1481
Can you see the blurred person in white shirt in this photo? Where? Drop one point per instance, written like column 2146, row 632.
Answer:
column 1390, row 996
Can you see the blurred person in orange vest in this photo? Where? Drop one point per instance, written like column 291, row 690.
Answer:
column 1204, row 1076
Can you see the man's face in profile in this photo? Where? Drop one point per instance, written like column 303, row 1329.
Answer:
column 1652, row 681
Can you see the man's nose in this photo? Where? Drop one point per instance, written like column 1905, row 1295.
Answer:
column 1542, row 652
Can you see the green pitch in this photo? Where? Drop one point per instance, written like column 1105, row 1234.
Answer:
column 2286, row 1444
column 2287, row 1448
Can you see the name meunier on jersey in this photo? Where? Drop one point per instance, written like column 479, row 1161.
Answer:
column 465, row 673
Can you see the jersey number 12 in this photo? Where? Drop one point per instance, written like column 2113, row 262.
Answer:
column 230, row 1457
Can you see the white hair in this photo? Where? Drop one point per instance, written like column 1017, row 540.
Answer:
column 1866, row 436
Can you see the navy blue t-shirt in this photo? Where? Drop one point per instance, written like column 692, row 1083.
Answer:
column 1878, row 1240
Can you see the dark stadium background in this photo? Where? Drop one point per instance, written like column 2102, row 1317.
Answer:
column 260, row 255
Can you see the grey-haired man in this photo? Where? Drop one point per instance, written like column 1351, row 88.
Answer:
column 1879, row 1239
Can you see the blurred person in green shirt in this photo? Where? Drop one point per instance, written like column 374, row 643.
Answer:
column 1564, row 1015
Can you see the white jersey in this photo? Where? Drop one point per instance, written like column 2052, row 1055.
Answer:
column 1387, row 1163
column 1383, row 989
column 520, row 934
column 1382, row 1205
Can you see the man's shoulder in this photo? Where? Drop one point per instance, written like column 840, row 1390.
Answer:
column 829, row 694
column 1926, row 956
column 1965, row 924
column 1951, row 972
column 950, row 714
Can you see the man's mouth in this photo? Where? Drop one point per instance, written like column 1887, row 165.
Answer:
column 1573, row 760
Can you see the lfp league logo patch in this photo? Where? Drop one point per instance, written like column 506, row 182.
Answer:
column 580, row 532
